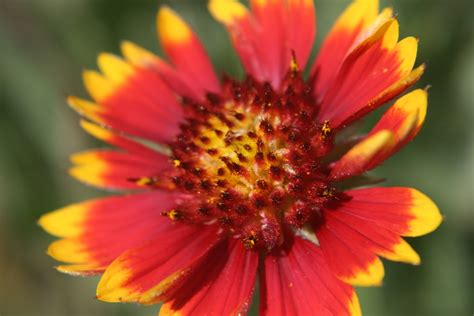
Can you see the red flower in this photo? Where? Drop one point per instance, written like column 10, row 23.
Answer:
column 232, row 181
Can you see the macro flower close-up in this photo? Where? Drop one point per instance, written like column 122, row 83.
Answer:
column 225, row 183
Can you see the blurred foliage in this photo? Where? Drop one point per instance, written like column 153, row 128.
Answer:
column 45, row 44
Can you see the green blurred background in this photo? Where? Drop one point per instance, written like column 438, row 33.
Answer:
column 44, row 45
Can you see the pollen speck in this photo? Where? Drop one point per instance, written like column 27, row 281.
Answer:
column 325, row 129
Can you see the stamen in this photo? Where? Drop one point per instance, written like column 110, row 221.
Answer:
column 325, row 129
column 173, row 215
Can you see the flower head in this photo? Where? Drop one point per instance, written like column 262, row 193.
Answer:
column 230, row 181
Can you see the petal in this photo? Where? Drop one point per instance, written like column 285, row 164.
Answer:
column 370, row 223
column 97, row 231
column 123, row 142
column 340, row 40
column 404, row 119
column 405, row 211
column 360, row 157
column 300, row 282
column 132, row 99
column 388, row 94
column 376, row 238
column 186, row 52
column 373, row 69
column 114, row 169
column 398, row 126
column 142, row 274
column 177, row 81
column 266, row 37
column 349, row 259
column 301, row 16
column 226, row 289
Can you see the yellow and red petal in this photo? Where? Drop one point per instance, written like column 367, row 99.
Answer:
column 186, row 53
column 370, row 223
column 177, row 81
column 144, row 273
column 405, row 211
column 266, row 37
column 363, row 155
column 351, row 260
column 388, row 94
column 114, row 169
column 404, row 119
column 225, row 289
column 122, row 142
column 97, row 231
column 138, row 94
column 379, row 68
column 341, row 39
column 300, row 282
column 398, row 126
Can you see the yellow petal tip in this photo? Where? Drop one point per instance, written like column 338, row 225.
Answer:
column 426, row 215
column 171, row 27
column 227, row 11
column 372, row 275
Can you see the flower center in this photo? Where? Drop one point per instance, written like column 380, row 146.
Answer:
column 252, row 159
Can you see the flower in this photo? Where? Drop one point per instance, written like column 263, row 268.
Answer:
column 232, row 181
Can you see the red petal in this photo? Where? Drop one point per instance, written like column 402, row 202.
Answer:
column 186, row 53
column 266, row 38
column 364, row 154
column 226, row 289
column 404, row 119
column 98, row 231
column 339, row 42
column 122, row 141
column 142, row 274
column 378, row 68
column 404, row 211
column 114, row 169
column 348, row 254
column 370, row 224
column 299, row 282
column 395, row 129
column 132, row 99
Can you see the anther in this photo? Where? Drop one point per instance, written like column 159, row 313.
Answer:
column 326, row 192
column 325, row 129
column 293, row 63
column 204, row 210
column 206, row 185
column 259, row 202
column 212, row 151
column 220, row 172
column 143, row 181
column 189, row 185
column 266, row 127
column 241, row 157
column 225, row 221
column 241, row 209
column 262, row 184
column 173, row 214
column 250, row 241
column 239, row 116
column 205, row 140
